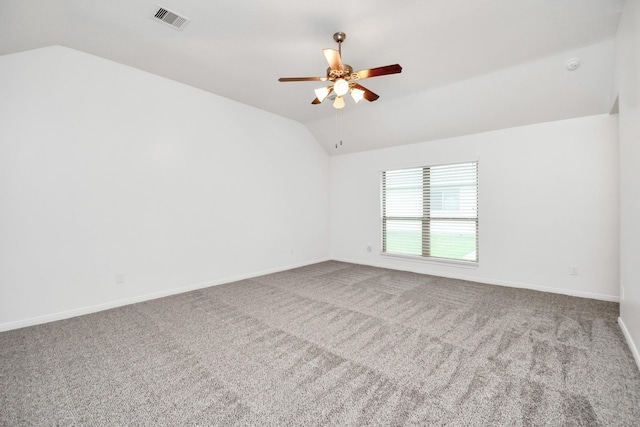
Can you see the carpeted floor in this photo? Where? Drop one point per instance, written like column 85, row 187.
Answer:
column 330, row 344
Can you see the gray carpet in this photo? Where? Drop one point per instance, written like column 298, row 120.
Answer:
column 328, row 344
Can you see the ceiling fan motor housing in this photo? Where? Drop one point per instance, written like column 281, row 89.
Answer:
column 347, row 71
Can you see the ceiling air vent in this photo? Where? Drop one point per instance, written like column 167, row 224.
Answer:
column 171, row 18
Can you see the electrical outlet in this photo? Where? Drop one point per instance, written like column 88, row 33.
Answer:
column 120, row 278
column 621, row 293
column 574, row 270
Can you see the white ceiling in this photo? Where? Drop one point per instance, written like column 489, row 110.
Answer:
column 468, row 65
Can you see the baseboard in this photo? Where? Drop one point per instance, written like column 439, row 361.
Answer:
column 146, row 297
column 570, row 292
column 630, row 343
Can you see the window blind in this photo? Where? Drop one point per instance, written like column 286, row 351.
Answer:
column 431, row 211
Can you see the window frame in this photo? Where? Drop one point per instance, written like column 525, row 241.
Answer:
column 425, row 220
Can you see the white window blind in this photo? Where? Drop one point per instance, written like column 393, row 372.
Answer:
column 431, row 211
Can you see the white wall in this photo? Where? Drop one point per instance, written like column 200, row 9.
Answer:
column 628, row 76
column 548, row 199
column 105, row 169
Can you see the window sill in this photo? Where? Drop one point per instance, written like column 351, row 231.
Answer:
column 437, row 261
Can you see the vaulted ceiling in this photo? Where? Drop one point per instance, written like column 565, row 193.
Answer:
column 468, row 65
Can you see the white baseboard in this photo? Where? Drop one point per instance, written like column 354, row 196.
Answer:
column 570, row 292
column 630, row 343
column 140, row 298
column 146, row 297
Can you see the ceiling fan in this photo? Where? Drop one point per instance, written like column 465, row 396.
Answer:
column 343, row 79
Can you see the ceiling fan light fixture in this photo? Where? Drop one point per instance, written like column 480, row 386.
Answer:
column 322, row 93
column 342, row 78
column 357, row 94
column 341, row 87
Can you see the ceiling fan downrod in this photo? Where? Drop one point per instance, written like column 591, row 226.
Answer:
column 339, row 37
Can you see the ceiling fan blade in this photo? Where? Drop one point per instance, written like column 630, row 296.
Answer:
column 368, row 95
column 302, row 79
column 316, row 101
column 379, row 71
column 333, row 58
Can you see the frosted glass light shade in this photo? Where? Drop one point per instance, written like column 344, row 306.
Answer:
column 321, row 93
column 341, row 87
column 339, row 102
column 357, row 94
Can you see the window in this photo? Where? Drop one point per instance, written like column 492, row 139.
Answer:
column 431, row 212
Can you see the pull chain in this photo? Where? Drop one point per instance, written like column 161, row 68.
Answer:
column 339, row 127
